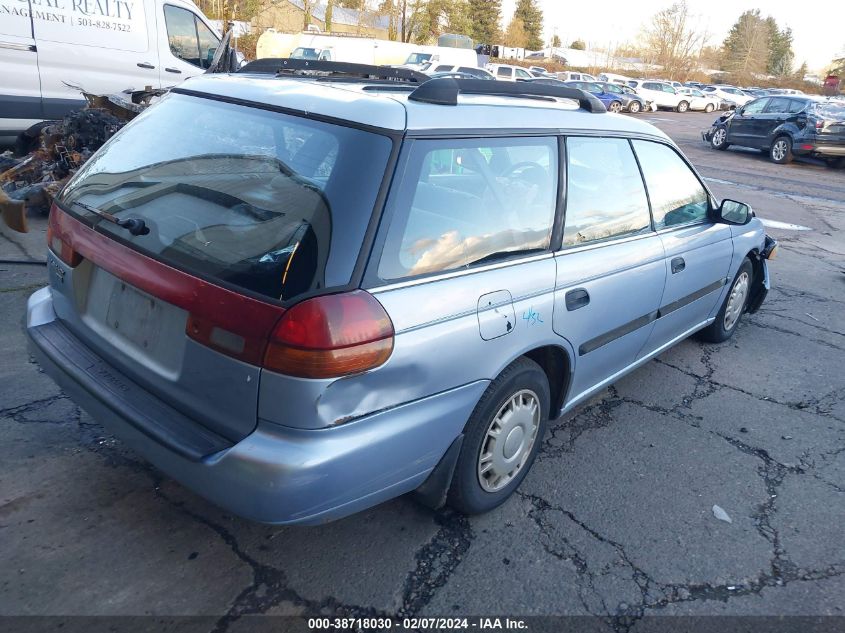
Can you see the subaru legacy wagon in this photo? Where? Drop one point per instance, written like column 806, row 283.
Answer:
column 301, row 296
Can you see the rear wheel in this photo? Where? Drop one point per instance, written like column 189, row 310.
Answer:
column 781, row 150
column 615, row 106
column 720, row 139
column 732, row 308
column 709, row 108
column 634, row 107
column 683, row 106
column 501, row 438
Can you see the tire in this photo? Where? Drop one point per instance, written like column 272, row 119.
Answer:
column 709, row 108
column 720, row 139
column 634, row 107
column 522, row 387
column 615, row 106
column 781, row 150
column 733, row 307
column 683, row 106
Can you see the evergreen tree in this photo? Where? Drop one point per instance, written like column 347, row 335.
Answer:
column 578, row 45
column 486, row 16
column 747, row 46
column 780, row 49
column 531, row 16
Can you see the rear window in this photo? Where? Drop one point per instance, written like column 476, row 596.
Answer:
column 269, row 202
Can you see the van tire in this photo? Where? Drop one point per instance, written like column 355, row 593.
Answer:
column 722, row 329
column 525, row 383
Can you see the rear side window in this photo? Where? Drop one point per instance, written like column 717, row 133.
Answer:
column 272, row 203
column 796, row 105
column 778, row 105
column 605, row 197
column 677, row 196
column 465, row 203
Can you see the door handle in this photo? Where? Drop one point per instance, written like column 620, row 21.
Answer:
column 577, row 298
column 678, row 264
column 174, row 70
column 146, row 65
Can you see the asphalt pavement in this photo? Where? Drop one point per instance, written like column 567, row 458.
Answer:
column 615, row 519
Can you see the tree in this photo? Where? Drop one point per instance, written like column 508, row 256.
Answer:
column 531, row 17
column 578, row 45
column 556, row 41
column 515, row 34
column 781, row 56
column 672, row 40
column 802, row 71
column 486, row 19
column 746, row 49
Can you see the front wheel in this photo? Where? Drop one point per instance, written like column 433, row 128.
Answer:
column 634, row 107
column 732, row 308
column 781, row 150
column 683, row 106
column 501, row 438
column 709, row 108
column 719, row 140
column 615, row 106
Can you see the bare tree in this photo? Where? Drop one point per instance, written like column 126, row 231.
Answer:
column 674, row 40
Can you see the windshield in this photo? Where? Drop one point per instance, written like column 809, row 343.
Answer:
column 272, row 203
column 305, row 53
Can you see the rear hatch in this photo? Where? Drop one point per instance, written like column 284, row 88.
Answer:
column 830, row 121
column 194, row 229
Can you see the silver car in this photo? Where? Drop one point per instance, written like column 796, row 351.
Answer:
column 303, row 296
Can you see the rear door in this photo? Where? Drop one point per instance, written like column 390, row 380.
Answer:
column 610, row 269
column 20, row 91
column 109, row 49
column 697, row 251
column 775, row 114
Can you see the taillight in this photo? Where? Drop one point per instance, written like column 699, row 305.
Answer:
column 331, row 336
column 61, row 242
column 819, row 124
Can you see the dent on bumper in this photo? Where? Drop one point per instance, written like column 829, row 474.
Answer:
column 283, row 475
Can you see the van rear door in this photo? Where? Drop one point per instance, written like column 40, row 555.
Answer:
column 20, row 91
column 102, row 48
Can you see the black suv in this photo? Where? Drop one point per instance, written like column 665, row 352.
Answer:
column 784, row 127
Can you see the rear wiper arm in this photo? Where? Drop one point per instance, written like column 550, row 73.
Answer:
column 136, row 226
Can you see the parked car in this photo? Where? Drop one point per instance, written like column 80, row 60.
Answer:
column 158, row 43
column 506, row 72
column 478, row 73
column 611, row 100
column 393, row 300
column 460, row 75
column 614, row 78
column 574, row 76
column 729, row 93
column 631, row 101
column 700, row 100
column 663, row 95
column 784, row 127
column 539, row 71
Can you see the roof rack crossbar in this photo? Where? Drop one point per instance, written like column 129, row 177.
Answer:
column 445, row 91
column 320, row 68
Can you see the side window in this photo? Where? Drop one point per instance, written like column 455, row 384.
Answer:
column 605, row 195
column 522, row 74
column 651, row 86
column 668, row 88
column 503, row 72
column 443, row 68
column 796, row 105
column 677, row 196
column 470, row 202
column 778, row 105
column 190, row 40
column 755, row 107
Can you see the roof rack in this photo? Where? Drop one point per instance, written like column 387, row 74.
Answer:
column 445, row 91
column 324, row 69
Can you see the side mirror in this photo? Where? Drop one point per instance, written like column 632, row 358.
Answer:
column 739, row 110
column 733, row 212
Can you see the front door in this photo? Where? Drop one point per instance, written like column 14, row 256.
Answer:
column 744, row 124
column 186, row 42
column 610, row 269
column 697, row 251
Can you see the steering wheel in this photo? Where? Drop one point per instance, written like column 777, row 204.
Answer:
column 526, row 164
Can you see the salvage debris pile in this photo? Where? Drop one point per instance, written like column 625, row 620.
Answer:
column 56, row 150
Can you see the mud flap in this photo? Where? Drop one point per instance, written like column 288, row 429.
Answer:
column 432, row 492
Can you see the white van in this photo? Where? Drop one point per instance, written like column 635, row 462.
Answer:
column 48, row 48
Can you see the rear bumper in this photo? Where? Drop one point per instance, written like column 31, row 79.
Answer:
column 834, row 149
column 276, row 474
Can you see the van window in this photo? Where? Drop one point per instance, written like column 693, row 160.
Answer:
column 503, row 71
column 676, row 194
column 470, row 202
column 269, row 202
column 190, row 40
column 605, row 196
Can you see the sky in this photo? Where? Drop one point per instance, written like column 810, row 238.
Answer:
column 817, row 25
